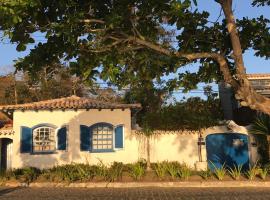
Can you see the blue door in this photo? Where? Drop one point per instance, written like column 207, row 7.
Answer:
column 228, row 148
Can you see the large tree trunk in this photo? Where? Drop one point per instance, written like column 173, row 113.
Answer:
column 148, row 163
column 244, row 92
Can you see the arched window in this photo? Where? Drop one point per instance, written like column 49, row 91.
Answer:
column 102, row 135
column 44, row 139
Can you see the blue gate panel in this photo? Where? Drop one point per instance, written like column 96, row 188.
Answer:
column 228, row 148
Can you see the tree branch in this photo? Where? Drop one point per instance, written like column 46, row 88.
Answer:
column 98, row 21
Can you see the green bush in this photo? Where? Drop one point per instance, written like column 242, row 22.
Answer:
column 235, row 172
column 160, row 169
column 173, row 169
column 184, row 172
column 27, row 174
column 219, row 172
column 252, row 172
column 263, row 173
column 70, row 172
column 137, row 170
column 115, row 172
column 205, row 174
column 7, row 175
column 102, row 170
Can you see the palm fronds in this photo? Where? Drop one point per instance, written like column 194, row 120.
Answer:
column 261, row 125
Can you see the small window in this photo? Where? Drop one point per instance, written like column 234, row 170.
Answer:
column 102, row 137
column 44, row 139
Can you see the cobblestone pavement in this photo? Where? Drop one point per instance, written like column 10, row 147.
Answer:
column 134, row 193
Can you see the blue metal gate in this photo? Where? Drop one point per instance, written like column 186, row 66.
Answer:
column 228, row 148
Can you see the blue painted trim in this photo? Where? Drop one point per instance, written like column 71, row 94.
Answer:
column 102, row 123
column 44, row 124
column 43, row 153
column 227, row 133
column 102, row 151
column 21, row 140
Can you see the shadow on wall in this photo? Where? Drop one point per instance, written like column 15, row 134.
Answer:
column 184, row 147
column 185, row 142
column 60, row 157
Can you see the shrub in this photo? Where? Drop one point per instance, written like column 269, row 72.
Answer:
column 115, row 171
column 184, row 172
column 263, row 173
column 172, row 169
column 219, row 172
column 137, row 170
column 205, row 174
column 252, row 172
column 235, row 172
column 27, row 174
column 7, row 174
column 160, row 169
column 102, row 170
column 70, row 172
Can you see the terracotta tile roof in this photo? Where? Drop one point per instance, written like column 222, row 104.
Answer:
column 72, row 102
column 7, row 130
column 259, row 76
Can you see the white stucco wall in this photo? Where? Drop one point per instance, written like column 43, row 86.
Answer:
column 73, row 119
column 172, row 146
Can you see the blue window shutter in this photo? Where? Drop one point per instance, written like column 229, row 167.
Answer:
column 62, row 138
column 26, row 139
column 86, row 139
column 119, row 132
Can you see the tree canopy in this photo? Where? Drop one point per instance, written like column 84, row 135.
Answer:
column 131, row 40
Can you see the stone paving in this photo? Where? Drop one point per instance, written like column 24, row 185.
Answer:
column 134, row 193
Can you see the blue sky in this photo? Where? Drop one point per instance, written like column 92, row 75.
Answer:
column 242, row 8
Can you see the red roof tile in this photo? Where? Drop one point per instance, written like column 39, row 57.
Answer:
column 72, row 102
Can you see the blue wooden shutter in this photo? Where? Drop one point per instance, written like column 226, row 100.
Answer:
column 119, row 143
column 26, row 139
column 86, row 138
column 62, row 138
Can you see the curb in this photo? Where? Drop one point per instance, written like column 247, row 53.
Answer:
column 186, row 184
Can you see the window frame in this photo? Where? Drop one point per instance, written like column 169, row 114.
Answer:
column 54, row 131
column 92, row 137
column 119, row 149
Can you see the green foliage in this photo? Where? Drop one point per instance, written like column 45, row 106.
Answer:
column 27, row 174
column 115, row 172
column 261, row 125
column 92, row 35
column 172, row 169
column 71, row 172
column 137, row 170
column 51, row 83
column 235, row 172
column 219, row 172
column 7, row 175
column 252, row 172
column 261, row 2
column 184, row 172
column 192, row 114
column 160, row 169
column 205, row 174
column 263, row 173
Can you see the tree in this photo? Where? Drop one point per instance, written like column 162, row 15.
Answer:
column 261, row 126
column 48, row 85
column 119, row 36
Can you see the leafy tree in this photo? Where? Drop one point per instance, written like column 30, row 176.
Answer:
column 112, row 39
column 47, row 85
column 192, row 114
